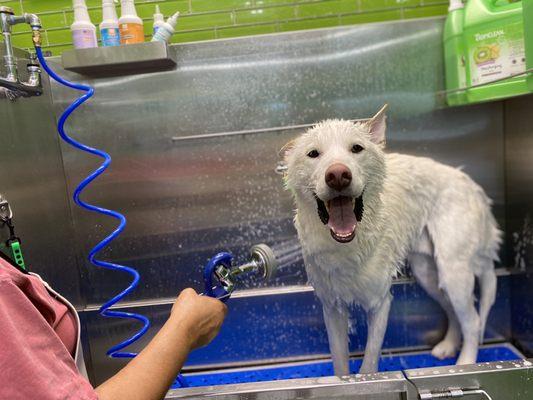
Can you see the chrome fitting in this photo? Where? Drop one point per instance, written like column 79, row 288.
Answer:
column 11, row 84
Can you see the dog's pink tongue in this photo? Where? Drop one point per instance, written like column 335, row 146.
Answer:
column 341, row 216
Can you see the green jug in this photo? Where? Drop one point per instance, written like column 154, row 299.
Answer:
column 527, row 6
column 494, row 48
column 454, row 59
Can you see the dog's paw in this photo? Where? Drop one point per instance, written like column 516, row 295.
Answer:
column 467, row 356
column 368, row 368
column 445, row 349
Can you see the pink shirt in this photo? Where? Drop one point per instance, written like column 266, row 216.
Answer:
column 38, row 338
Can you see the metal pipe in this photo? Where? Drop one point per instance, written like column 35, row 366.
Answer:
column 9, row 58
column 251, row 131
column 6, row 15
column 453, row 393
column 32, row 20
column 11, row 82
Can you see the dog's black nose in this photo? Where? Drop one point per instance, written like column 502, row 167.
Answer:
column 338, row 176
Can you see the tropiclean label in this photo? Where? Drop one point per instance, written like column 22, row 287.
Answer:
column 497, row 54
column 489, row 35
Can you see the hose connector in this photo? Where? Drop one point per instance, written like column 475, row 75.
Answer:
column 36, row 37
column 33, row 21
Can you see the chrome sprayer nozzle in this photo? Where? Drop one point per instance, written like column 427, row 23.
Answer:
column 263, row 262
column 266, row 260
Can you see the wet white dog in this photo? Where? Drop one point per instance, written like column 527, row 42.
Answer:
column 361, row 213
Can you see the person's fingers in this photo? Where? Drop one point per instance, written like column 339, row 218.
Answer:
column 223, row 308
column 220, row 307
column 188, row 292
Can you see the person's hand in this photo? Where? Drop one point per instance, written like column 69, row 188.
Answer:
column 200, row 316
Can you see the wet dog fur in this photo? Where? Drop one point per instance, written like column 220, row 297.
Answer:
column 404, row 208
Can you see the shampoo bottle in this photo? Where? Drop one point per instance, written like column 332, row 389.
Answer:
column 130, row 25
column 109, row 31
column 166, row 30
column 159, row 19
column 83, row 30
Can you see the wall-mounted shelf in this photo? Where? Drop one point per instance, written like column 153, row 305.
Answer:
column 101, row 61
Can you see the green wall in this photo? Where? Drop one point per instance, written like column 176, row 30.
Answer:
column 214, row 19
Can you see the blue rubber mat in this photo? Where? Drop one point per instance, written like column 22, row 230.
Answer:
column 396, row 362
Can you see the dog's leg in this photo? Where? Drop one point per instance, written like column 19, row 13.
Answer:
column 487, row 287
column 337, row 327
column 458, row 282
column 425, row 271
column 377, row 325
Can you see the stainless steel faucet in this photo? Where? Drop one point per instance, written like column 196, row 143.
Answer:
column 12, row 86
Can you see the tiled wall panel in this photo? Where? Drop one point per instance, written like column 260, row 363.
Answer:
column 213, row 19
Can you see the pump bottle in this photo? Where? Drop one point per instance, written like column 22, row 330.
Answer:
column 83, row 30
column 130, row 25
column 159, row 19
column 166, row 30
column 109, row 31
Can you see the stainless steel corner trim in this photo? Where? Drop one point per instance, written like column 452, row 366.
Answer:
column 385, row 385
column 269, row 291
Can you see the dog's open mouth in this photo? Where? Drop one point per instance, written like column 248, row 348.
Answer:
column 341, row 214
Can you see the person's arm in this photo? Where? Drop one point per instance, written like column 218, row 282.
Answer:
column 195, row 321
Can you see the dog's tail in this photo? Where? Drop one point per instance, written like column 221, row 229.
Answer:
column 487, row 288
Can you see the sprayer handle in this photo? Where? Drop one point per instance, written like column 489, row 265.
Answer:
column 216, row 290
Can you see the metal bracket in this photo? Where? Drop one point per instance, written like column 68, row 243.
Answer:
column 5, row 210
column 452, row 393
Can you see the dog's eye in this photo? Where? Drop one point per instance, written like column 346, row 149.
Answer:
column 357, row 148
column 313, row 154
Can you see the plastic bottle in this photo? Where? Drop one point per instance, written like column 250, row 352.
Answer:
column 454, row 55
column 166, row 30
column 129, row 23
column 109, row 31
column 159, row 19
column 83, row 30
column 494, row 47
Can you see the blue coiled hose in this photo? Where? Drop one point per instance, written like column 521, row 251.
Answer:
column 114, row 351
column 104, row 309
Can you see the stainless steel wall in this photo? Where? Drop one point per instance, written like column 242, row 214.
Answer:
column 188, row 198
column 32, row 179
column 519, row 182
column 188, row 195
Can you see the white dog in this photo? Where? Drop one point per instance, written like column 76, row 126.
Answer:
column 361, row 213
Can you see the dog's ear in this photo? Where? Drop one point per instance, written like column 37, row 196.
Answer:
column 287, row 148
column 377, row 126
